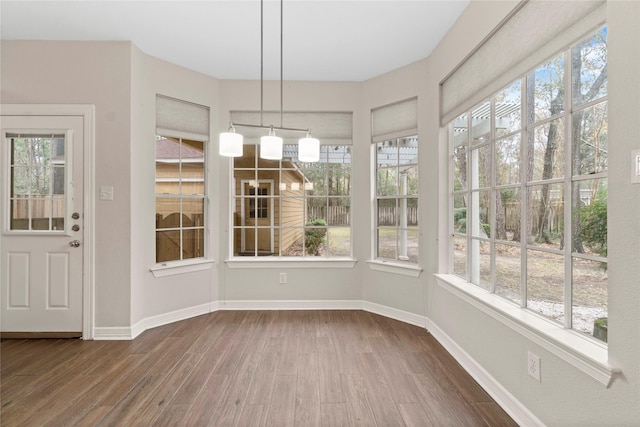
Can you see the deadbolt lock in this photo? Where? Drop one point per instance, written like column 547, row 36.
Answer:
column 75, row 227
column 75, row 215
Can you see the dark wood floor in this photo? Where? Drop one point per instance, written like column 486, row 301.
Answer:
column 246, row 368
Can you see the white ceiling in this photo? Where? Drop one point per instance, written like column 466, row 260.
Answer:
column 324, row 40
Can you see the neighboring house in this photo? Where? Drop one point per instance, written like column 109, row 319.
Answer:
column 255, row 210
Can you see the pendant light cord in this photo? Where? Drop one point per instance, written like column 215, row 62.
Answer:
column 261, row 62
column 281, row 61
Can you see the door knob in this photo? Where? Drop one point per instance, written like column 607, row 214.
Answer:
column 74, row 243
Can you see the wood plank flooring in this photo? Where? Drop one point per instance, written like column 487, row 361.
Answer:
column 246, row 368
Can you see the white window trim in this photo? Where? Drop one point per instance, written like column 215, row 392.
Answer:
column 581, row 352
column 172, row 268
column 395, row 267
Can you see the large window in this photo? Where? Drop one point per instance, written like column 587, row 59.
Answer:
column 529, row 190
column 182, row 132
column 394, row 129
column 397, row 199
column 288, row 208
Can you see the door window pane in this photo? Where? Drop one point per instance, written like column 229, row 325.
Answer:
column 37, row 182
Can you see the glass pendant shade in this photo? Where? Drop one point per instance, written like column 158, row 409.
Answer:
column 271, row 147
column 308, row 149
column 230, row 144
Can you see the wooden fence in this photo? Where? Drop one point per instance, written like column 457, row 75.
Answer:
column 40, row 208
column 334, row 215
column 341, row 215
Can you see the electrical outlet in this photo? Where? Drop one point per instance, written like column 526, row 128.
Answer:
column 533, row 366
column 283, row 278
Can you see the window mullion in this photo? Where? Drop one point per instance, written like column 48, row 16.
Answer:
column 524, row 199
column 568, row 179
column 492, row 198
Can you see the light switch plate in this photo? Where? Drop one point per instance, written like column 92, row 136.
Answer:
column 106, row 193
column 635, row 167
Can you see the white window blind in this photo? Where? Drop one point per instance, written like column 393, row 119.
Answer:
column 331, row 128
column 533, row 33
column 181, row 119
column 394, row 120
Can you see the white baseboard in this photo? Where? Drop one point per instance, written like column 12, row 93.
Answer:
column 501, row 395
column 289, row 305
column 125, row 333
column 112, row 333
column 394, row 313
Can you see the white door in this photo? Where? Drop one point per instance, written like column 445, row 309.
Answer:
column 42, row 223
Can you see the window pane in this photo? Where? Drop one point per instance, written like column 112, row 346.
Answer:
column 480, row 214
column 408, row 244
column 545, row 284
column 20, row 181
column 460, row 170
column 411, row 209
column 193, row 243
column 167, row 246
column 315, row 182
column 387, row 243
column 508, row 275
column 339, row 241
column 315, row 239
column 589, row 205
column 293, row 212
column 193, row 212
column 387, row 154
column 481, row 167
column 459, row 213
column 387, row 182
column 409, row 180
column 339, row 211
column 40, row 181
column 40, row 214
column 591, row 150
column 248, row 159
column 317, row 208
column 21, row 151
column 546, row 204
column 508, row 212
column 339, row 179
column 508, row 109
column 460, row 256
column 336, row 154
column 387, row 212
column 460, row 127
column 548, row 151
column 292, row 241
column 58, row 179
column 480, row 269
column 548, row 88
column 481, row 124
column 589, row 61
column 590, row 283
column 508, row 160
column 167, row 212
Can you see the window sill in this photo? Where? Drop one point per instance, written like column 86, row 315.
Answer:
column 412, row 270
column 589, row 356
column 289, row 262
column 180, row 267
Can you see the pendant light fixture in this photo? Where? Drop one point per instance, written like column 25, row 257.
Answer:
column 231, row 143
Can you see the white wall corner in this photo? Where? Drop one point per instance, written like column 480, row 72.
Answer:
column 512, row 406
column 394, row 313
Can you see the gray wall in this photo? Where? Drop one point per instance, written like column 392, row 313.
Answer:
column 122, row 81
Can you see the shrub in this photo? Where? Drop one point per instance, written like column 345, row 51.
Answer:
column 593, row 226
column 314, row 238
